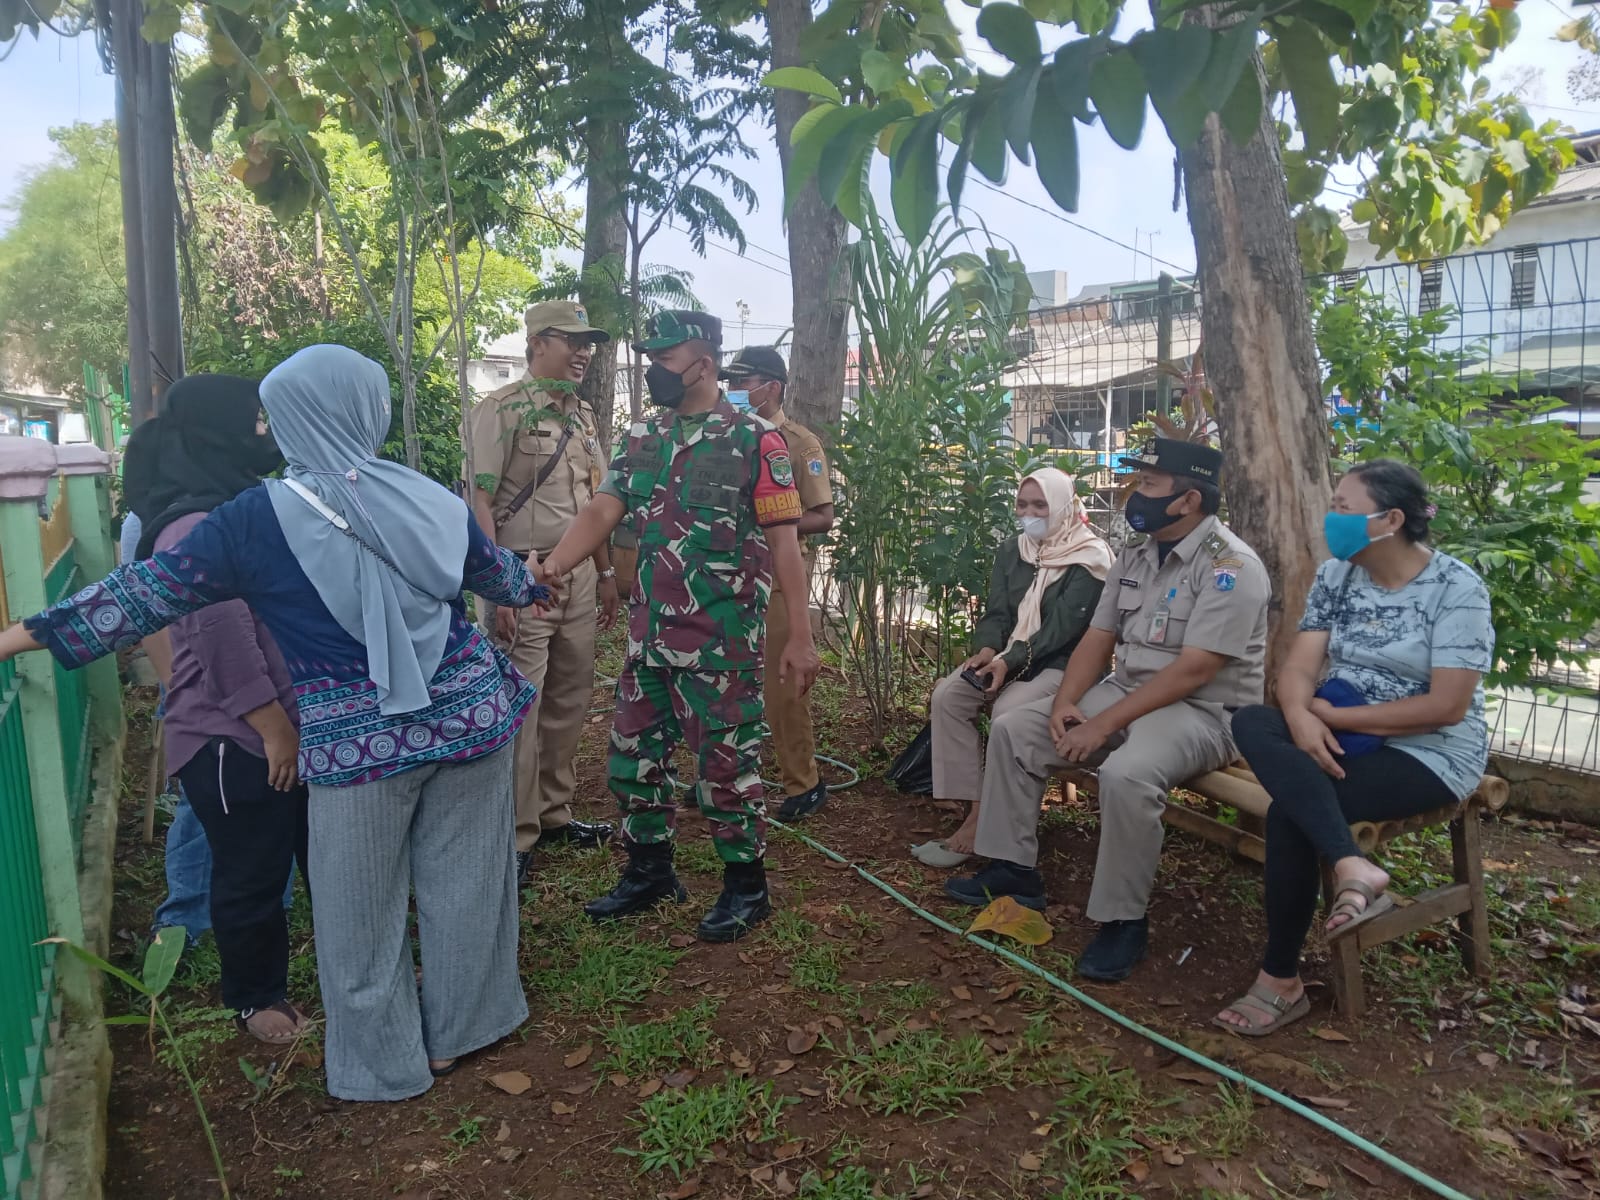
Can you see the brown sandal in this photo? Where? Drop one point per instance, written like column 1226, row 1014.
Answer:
column 1375, row 903
column 284, row 1009
column 1259, row 1001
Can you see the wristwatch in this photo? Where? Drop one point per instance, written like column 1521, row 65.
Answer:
column 608, row 573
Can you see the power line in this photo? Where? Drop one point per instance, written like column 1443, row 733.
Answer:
column 754, row 262
column 1066, row 220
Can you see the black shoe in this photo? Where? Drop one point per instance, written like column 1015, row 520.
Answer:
column 797, row 808
column 743, row 904
column 1115, row 951
column 1000, row 878
column 524, row 861
column 585, row 835
column 646, row 881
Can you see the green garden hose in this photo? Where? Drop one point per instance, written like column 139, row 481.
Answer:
column 1415, row 1174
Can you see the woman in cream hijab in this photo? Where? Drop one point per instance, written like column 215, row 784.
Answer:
column 1044, row 588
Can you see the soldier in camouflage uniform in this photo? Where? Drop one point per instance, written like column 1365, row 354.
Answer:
column 710, row 494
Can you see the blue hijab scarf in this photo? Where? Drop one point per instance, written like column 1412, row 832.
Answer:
column 390, row 580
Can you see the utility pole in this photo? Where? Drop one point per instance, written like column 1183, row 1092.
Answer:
column 146, row 131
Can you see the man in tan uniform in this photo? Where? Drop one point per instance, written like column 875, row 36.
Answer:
column 537, row 459
column 756, row 378
column 1185, row 612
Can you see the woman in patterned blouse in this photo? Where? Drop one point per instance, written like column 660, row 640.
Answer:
column 357, row 566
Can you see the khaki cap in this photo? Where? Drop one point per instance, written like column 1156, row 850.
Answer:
column 565, row 316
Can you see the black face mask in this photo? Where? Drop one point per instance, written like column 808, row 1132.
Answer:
column 666, row 386
column 265, row 457
column 1148, row 514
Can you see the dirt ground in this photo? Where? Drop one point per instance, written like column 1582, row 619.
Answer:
column 848, row 1049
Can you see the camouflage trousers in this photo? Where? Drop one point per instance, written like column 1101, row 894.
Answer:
column 719, row 714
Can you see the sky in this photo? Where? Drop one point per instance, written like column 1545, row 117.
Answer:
column 1125, row 227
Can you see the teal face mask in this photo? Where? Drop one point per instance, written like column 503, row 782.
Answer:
column 1347, row 534
column 740, row 400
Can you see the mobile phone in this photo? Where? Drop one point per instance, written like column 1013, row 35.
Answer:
column 974, row 679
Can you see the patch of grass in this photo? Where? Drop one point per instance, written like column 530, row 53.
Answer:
column 1099, row 1111
column 598, row 970
column 1541, row 1102
column 1229, row 1125
column 678, row 1129
column 193, row 1028
column 200, row 969
column 468, row 1132
column 817, row 969
column 917, row 1073
column 696, row 855
column 864, row 922
column 645, row 1048
column 853, row 1182
column 918, row 995
column 788, row 932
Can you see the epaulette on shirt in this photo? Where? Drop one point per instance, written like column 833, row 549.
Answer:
column 1215, row 545
column 1137, row 539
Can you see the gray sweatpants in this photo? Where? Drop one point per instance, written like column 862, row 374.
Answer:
column 957, row 753
column 446, row 831
column 1161, row 750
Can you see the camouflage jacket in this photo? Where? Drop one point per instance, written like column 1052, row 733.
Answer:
column 698, row 492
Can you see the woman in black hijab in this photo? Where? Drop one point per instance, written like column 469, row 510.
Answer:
column 231, row 716
column 202, row 451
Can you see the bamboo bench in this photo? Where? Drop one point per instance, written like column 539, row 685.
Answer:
column 1463, row 898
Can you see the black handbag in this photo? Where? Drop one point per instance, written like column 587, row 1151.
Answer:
column 912, row 772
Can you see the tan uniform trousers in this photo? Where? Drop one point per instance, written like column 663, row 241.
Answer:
column 788, row 713
column 957, row 753
column 1160, row 751
column 555, row 653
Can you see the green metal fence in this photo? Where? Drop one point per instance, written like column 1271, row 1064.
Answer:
column 72, row 700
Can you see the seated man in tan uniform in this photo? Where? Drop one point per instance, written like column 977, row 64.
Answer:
column 537, row 458
column 756, row 380
column 1185, row 612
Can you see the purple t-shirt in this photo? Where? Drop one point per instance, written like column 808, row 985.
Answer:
column 224, row 664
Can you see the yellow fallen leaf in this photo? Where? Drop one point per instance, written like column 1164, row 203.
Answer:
column 1005, row 916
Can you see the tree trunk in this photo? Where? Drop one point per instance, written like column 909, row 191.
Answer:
column 1261, row 358
column 605, row 234
column 159, row 212
column 817, row 261
column 126, row 42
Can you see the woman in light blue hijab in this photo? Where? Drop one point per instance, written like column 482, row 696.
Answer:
column 357, row 567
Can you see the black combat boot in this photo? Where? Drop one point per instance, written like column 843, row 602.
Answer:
column 646, row 881
column 744, row 903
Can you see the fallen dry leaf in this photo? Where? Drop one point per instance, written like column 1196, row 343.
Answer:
column 1204, row 1078
column 783, row 1066
column 924, row 1190
column 740, row 1060
column 689, row 1187
column 1427, row 1058
column 1486, row 1059
column 961, row 992
column 1500, row 1137
column 1029, row 1161
column 1005, row 916
column 649, row 1088
column 1315, row 1179
column 618, row 1079
column 788, row 1150
column 884, row 1037
column 578, row 1057
column 800, row 1041
column 1044, row 1130
column 1138, row 1170
column 512, row 1083
column 562, row 1109
column 783, row 1185
column 680, row 1079
column 1361, row 1171
column 681, row 941
column 761, row 1175
column 1173, row 1159
column 1542, row 1143
column 1326, row 1102
column 505, row 1132
column 1331, row 1035
column 577, row 1089
column 812, row 1092
column 1005, row 993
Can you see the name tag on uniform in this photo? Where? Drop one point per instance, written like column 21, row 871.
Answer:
column 1129, row 583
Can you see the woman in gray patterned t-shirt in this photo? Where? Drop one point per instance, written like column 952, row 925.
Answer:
column 1381, row 718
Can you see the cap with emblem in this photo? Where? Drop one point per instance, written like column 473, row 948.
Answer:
column 756, row 360
column 673, row 326
column 1176, row 457
column 564, row 316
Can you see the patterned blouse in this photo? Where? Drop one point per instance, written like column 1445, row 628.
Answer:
column 239, row 551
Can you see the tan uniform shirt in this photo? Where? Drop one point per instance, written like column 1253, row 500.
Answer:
column 1211, row 593
column 514, row 432
column 811, row 477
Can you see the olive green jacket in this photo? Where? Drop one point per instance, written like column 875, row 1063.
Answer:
column 1068, row 604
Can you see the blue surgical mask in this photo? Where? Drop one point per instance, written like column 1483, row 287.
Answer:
column 1034, row 527
column 740, row 400
column 1347, row 533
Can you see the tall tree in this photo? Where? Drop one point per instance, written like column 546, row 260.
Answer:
column 818, row 266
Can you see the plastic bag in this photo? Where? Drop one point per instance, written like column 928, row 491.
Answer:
column 912, row 772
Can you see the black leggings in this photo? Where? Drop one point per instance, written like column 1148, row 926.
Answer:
column 255, row 834
column 1310, row 818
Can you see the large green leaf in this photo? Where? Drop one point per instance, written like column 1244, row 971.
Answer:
column 1069, row 75
column 1241, row 115
column 1116, row 85
column 161, row 959
column 914, row 178
column 1055, row 152
column 986, row 142
column 1230, row 54
column 1011, row 31
column 1308, row 70
column 1015, row 105
column 202, row 101
column 1172, row 59
column 812, row 134
column 803, row 79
